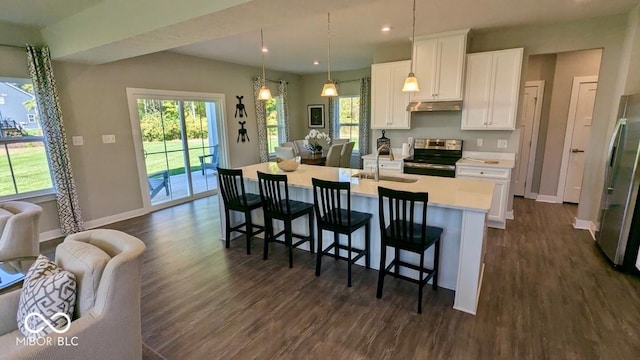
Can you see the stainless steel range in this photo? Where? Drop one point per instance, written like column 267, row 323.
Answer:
column 435, row 157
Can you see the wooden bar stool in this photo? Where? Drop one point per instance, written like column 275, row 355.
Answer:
column 279, row 207
column 403, row 233
column 332, row 217
column 236, row 199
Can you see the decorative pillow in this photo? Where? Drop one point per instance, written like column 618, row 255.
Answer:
column 47, row 299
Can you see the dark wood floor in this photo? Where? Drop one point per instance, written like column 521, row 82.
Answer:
column 547, row 294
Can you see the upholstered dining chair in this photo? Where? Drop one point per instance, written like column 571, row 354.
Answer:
column 345, row 156
column 19, row 229
column 284, row 153
column 333, row 155
column 290, row 144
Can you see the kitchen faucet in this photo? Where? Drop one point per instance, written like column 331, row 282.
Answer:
column 382, row 147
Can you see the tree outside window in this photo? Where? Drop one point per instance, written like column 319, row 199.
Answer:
column 275, row 123
column 349, row 119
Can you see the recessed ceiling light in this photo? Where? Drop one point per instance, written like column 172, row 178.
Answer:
column 386, row 28
column 265, row 50
column 316, row 62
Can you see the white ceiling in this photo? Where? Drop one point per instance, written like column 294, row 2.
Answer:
column 295, row 30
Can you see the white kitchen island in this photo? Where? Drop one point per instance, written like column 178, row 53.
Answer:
column 459, row 206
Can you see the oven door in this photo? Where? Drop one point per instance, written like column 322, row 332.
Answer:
column 430, row 169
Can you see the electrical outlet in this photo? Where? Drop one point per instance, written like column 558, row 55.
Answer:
column 479, row 142
column 77, row 140
column 108, row 139
column 502, row 144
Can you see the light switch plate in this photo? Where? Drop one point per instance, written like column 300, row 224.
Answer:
column 108, row 139
column 502, row 144
column 77, row 140
column 479, row 142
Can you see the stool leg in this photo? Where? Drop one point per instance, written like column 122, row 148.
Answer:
column 319, row 253
column 249, row 229
column 311, row 224
column 367, row 245
column 268, row 232
column 349, row 261
column 420, row 282
column 289, row 241
column 397, row 263
column 336, row 250
column 228, row 228
column 436, row 265
column 381, row 272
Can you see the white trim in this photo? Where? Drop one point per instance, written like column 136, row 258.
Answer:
column 50, row 235
column 585, row 225
column 35, row 197
column 221, row 123
column 509, row 215
column 531, row 196
column 547, row 199
column 535, row 127
column 568, row 136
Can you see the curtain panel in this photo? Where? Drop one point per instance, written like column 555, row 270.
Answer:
column 365, row 114
column 261, row 122
column 46, row 94
column 283, row 111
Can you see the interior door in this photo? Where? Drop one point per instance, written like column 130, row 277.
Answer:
column 583, row 114
column 526, row 132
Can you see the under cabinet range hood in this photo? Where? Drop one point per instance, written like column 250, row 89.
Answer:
column 435, row 106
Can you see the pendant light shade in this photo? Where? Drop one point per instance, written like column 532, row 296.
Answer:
column 411, row 82
column 329, row 88
column 264, row 93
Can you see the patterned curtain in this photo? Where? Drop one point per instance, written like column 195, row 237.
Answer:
column 365, row 121
column 44, row 87
column 283, row 111
column 261, row 121
column 334, row 117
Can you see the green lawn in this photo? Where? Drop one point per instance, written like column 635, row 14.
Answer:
column 32, row 173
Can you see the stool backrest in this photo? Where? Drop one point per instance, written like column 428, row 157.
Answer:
column 327, row 201
column 401, row 209
column 271, row 193
column 232, row 187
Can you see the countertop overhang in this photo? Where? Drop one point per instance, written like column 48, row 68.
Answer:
column 454, row 193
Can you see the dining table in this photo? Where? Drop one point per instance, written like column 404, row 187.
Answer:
column 309, row 158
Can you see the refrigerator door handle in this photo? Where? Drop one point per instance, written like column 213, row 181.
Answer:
column 613, row 147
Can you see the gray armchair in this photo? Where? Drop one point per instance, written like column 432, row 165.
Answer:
column 106, row 322
column 19, row 229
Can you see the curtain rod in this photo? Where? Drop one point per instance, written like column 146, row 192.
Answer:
column 276, row 81
column 13, row 46
column 343, row 81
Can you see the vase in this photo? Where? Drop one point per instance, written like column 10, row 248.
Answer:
column 317, row 150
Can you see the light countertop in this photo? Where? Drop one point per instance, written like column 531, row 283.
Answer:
column 455, row 193
column 488, row 159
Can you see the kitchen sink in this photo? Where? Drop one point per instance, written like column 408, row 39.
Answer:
column 365, row 175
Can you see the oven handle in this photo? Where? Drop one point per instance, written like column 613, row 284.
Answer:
column 430, row 166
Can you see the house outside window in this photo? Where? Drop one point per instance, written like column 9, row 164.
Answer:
column 24, row 165
column 274, row 118
column 349, row 119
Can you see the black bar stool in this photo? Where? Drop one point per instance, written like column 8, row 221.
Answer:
column 235, row 198
column 281, row 208
column 403, row 233
column 332, row 217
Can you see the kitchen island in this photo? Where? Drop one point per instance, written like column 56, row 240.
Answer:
column 459, row 206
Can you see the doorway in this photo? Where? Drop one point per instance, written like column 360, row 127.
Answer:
column 577, row 136
column 179, row 141
column 533, row 99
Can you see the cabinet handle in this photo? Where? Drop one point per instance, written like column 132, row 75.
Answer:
column 481, row 172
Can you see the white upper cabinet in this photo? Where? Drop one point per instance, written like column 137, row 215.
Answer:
column 388, row 102
column 439, row 66
column 492, row 86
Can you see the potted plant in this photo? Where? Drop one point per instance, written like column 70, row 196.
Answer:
column 312, row 141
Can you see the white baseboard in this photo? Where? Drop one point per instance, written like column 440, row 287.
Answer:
column 585, row 225
column 509, row 215
column 532, row 196
column 547, row 198
column 92, row 224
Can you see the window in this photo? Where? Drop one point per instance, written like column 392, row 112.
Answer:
column 32, row 118
column 275, row 123
column 24, row 167
column 349, row 119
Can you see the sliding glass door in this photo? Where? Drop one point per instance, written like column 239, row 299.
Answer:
column 179, row 145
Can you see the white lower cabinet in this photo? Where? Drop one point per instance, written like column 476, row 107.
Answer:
column 395, row 166
column 501, row 177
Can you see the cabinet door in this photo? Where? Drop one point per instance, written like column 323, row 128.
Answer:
column 380, row 95
column 425, row 54
column 475, row 111
column 507, row 65
column 450, row 64
column 399, row 116
column 499, row 201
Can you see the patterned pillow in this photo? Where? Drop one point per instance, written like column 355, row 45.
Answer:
column 47, row 299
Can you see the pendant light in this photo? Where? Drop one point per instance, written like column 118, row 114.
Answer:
column 329, row 88
column 411, row 82
column 264, row 93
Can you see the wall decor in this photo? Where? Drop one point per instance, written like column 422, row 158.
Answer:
column 240, row 110
column 315, row 114
column 242, row 132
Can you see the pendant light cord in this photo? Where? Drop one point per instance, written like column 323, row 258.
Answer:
column 413, row 34
column 329, row 45
column 262, row 52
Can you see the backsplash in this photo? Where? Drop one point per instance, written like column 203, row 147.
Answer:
column 446, row 125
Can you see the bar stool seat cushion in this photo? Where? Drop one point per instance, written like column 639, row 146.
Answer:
column 432, row 234
column 357, row 219
column 297, row 207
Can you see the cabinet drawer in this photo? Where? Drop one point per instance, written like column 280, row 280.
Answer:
column 489, row 173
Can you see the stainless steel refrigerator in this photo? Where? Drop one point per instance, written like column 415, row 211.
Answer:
column 618, row 233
